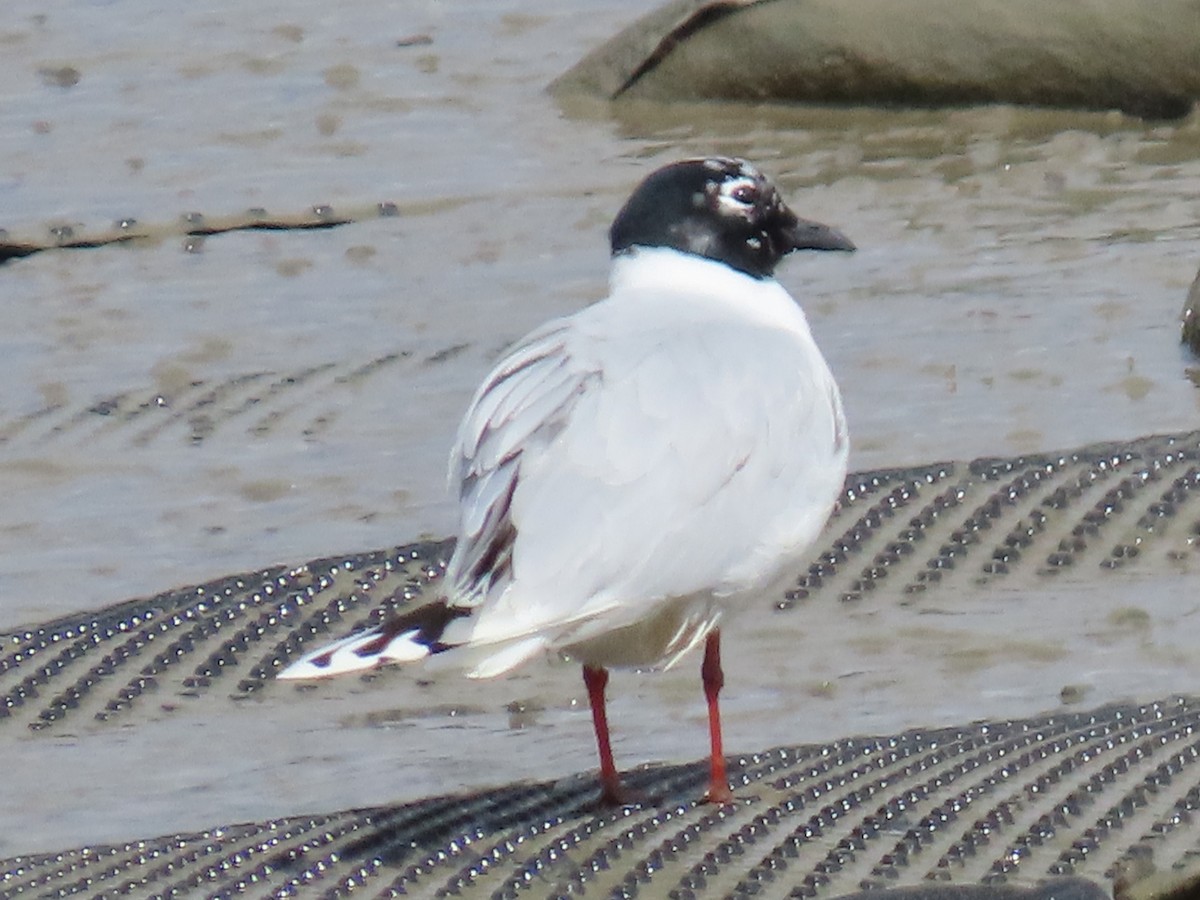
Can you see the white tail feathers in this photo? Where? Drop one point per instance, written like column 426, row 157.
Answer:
column 379, row 647
column 358, row 652
column 496, row 659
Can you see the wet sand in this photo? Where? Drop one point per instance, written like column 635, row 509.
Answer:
column 1017, row 289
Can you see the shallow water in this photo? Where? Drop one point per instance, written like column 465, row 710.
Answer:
column 1017, row 289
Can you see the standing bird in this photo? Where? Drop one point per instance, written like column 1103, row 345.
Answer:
column 630, row 474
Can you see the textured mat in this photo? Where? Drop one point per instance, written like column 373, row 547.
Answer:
column 300, row 403
column 1093, row 794
column 948, row 528
column 18, row 243
column 1087, row 793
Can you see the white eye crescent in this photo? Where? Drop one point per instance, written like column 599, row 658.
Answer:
column 739, row 194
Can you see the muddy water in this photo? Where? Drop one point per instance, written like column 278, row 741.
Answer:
column 1017, row 289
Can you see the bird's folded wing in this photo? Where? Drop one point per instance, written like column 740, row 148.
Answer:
column 601, row 472
column 519, row 408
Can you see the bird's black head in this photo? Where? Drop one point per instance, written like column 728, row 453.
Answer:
column 721, row 209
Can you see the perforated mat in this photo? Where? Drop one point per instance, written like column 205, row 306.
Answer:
column 1103, row 794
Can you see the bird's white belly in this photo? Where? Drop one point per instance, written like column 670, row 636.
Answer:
column 673, row 628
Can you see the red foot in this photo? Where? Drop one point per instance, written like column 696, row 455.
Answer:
column 612, row 794
column 717, row 793
column 616, row 796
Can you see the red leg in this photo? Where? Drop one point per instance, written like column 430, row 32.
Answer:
column 714, row 679
column 596, row 679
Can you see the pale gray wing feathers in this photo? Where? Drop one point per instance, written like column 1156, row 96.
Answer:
column 521, row 405
column 615, row 462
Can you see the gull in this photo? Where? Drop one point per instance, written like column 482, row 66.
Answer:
column 630, row 475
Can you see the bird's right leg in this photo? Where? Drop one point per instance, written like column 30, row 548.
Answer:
column 611, row 793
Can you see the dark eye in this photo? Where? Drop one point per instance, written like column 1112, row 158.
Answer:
column 744, row 193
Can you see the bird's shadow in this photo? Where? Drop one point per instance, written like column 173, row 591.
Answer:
column 407, row 832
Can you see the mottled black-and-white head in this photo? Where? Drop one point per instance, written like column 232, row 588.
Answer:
column 721, row 209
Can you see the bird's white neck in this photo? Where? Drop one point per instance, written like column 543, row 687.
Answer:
column 664, row 269
column 655, row 272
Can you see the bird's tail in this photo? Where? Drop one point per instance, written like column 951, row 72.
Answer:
column 406, row 638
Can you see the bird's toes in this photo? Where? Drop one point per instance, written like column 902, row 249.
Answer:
column 717, row 793
column 615, row 796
